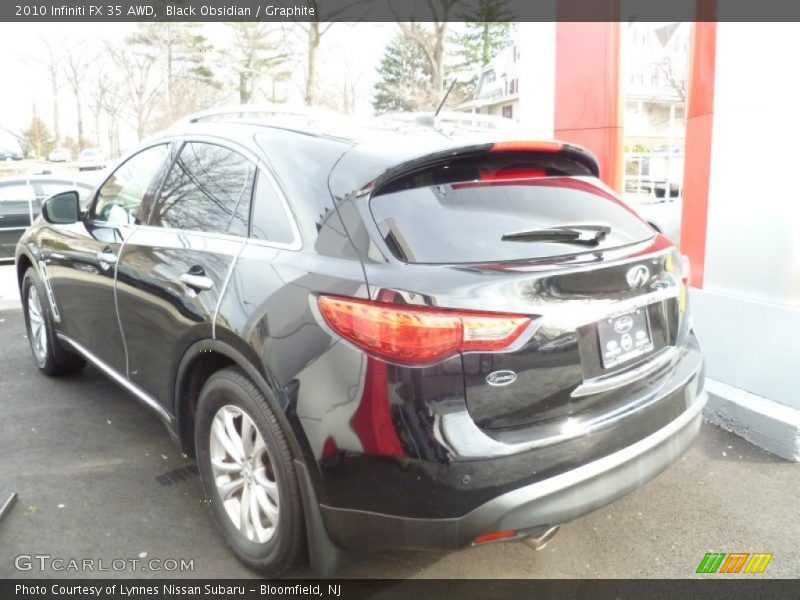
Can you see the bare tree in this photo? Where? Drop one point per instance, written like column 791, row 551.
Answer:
column 313, row 31
column 139, row 84
column 76, row 67
column 675, row 80
column 112, row 107
column 99, row 92
column 52, row 65
column 432, row 39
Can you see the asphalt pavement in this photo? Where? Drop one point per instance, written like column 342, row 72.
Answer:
column 99, row 478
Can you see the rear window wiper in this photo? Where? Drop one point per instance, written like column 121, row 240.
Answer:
column 584, row 234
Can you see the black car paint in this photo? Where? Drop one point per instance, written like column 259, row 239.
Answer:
column 363, row 430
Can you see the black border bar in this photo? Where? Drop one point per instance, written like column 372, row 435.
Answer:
column 712, row 587
column 104, row 11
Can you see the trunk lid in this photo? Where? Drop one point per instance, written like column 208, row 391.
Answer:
column 606, row 304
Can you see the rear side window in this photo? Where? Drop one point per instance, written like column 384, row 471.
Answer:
column 270, row 221
column 466, row 222
column 209, row 188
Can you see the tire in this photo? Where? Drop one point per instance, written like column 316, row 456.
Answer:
column 50, row 356
column 272, row 544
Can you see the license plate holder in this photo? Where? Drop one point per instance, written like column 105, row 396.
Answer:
column 624, row 337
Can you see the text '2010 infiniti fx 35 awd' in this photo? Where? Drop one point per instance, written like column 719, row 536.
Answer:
column 406, row 335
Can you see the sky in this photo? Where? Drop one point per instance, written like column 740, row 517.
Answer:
column 352, row 48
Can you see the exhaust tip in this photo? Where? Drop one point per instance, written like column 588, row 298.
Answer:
column 537, row 543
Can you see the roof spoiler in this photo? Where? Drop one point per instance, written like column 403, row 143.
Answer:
column 584, row 161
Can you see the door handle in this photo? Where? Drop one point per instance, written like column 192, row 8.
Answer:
column 196, row 281
column 107, row 256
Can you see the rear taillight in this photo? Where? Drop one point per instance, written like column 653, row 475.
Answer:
column 414, row 335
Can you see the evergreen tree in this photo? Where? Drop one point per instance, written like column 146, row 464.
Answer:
column 488, row 31
column 405, row 74
column 255, row 52
column 182, row 52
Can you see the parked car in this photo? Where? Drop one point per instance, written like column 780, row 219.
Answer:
column 20, row 203
column 375, row 337
column 60, row 155
column 9, row 155
column 91, row 159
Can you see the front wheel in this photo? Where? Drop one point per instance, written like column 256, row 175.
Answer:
column 50, row 356
column 248, row 474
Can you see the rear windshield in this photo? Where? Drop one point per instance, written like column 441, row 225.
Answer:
column 465, row 222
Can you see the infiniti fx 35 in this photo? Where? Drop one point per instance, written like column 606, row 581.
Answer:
column 403, row 335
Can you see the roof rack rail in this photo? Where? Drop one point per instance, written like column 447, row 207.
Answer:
column 258, row 110
column 456, row 118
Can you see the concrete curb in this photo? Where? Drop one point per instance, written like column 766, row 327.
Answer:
column 766, row 423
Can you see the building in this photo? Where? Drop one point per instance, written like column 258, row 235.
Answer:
column 497, row 90
column 517, row 84
column 655, row 74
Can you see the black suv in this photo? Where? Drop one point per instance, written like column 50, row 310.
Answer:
column 408, row 335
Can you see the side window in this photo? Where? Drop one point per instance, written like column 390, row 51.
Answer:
column 270, row 221
column 124, row 199
column 209, row 188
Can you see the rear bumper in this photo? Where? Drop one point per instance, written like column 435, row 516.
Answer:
column 534, row 508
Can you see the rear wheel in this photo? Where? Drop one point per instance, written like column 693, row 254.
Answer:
column 50, row 356
column 248, row 474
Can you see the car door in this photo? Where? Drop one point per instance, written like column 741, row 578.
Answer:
column 81, row 260
column 173, row 271
column 16, row 200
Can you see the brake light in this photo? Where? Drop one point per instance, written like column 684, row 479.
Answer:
column 512, row 173
column 414, row 335
column 527, row 146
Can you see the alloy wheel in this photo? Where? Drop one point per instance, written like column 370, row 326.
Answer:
column 38, row 331
column 244, row 474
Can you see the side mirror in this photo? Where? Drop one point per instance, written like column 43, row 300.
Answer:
column 63, row 208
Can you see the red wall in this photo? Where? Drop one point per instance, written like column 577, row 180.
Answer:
column 588, row 101
column 697, row 169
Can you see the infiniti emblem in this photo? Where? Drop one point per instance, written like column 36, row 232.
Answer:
column 637, row 276
column 623, row 324
column 499, row 378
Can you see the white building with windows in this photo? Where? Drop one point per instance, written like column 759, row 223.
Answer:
column 655, row 67
column 519, row 82
column 497, row 90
